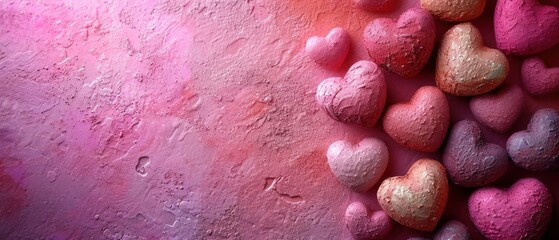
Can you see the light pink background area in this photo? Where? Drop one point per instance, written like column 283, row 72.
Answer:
column 194, row 119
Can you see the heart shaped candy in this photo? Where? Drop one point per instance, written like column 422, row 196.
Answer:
column 416, row 200
column 470, row 160
column 465, row 67
column 452, row 230
column 330, row 51
column 537, row 148
column 375, row 5
column 402, row 46
column 521, row 212
column 422, row 123
column 358, row 167
column 498, row 111
column 539, row 80
column 454, row 11
column 362, row 225
column 357, row 98
column 525, row 27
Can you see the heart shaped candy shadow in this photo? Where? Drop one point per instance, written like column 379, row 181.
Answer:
column 454, row 11
column 357, row 98
column 364, row 226
column 537, row 148
column 465, row 67
column 539, row 80
column 470, row 160
column 331, row 51
column 452, row 230
column 358, row 167
column 402, row 46
column 375, row 5
column 422, row 123
column 498, row 111
column 525, row 27
column 521, row 212
column 416, row 200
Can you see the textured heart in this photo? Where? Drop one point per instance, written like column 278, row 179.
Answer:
column 358, row 167
column 452, row 230
column 362, row 225
column 465, row 67
column 454, row 11
column 420, row 124
column 498, row 111
column 357, row 98
column 375, row 5
column 537, row 148
column 402, row 46
column 416, row 200
column 525, row 27
column 331, row 51
column 539, row 80
column 521, row 212
column 470, row 160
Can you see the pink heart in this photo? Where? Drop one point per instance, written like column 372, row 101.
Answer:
column 362, row 225
column 358, row 167
column 357, row 98
column 330, row 51
column 402, row 46
column 469, row 159
column 525, row 27
column 452, row 230
column 375, row 5
column 521, row 212
column 422, row 123
column 498, row 110
column 539, row 80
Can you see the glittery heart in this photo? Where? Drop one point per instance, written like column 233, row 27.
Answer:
column 537, row 148
column 498, row 110
column 363, row 225
column 402, row 46
column 469, row 159
column 452, row 230
column 330, row 51
column 454, row 11
column 416, row 200
column 420, row 124
column 539, row 80
column 358, row 167
column 465, row 67
column 525, row 27
column 357, row 98
column 521, row 212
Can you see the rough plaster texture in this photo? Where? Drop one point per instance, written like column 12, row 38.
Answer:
column 190, row 120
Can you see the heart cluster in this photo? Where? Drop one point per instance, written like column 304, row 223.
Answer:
column 465, row 67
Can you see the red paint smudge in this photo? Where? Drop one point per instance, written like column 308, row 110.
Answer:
column 12, row 194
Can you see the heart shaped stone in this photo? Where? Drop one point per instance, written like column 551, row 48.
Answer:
column 363, row 225
column 537, row 148
column 358, row 167
column 469, row 159
column 454, row 11
column 330, row 51
column 465, row 67
column 539, row 80
column 452, row 230
column 420, row 124
column 416, row 200
column 521, row 212
column 375, row 5
column 402, row 46
column 525, row 27
column 357, row 98
column 498, row 110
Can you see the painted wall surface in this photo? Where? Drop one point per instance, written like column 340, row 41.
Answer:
column 178, row 119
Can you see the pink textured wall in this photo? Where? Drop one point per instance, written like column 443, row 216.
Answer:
column 189, row 120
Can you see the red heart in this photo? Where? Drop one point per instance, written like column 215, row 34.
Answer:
column 402, row 46
column 422, row 123
column 538, row 79
column 499, row 110
column 330, row 51
column 362, row 225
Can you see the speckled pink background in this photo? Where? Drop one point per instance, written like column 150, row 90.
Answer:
column 194, row 119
